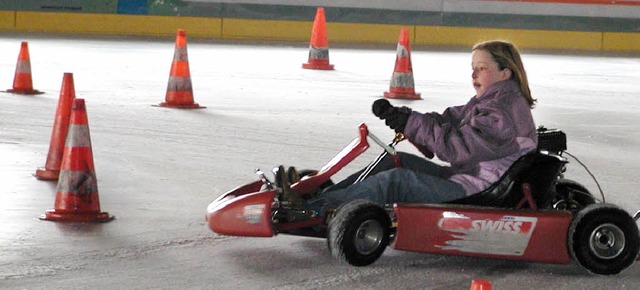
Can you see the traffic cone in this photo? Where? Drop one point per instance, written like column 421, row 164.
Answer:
column 179, row 90
column 22, row 81
column 77, row 198
column 480, row 285
column 402, row 85
column 319, row 46
column 51, row 169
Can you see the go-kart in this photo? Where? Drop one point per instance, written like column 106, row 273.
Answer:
column 532, row 214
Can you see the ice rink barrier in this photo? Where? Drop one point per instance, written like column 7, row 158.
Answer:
column 595, row 25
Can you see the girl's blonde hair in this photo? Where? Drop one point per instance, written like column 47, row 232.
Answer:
column 506, row 54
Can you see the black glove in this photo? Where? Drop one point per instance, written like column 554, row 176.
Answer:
column 381, row 108
column 396, row 118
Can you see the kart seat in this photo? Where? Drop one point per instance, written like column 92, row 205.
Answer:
column 538, row 170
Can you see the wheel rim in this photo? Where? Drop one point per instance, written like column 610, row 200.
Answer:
column 368, row 237
column 607, row 241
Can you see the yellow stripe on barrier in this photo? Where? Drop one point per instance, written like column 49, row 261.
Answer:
column 301, row 30
column 364, row 32
column 617, row 41
column 538, row 39
column 231, row 28
column 7, row 20
column 117, row 24
column 266, row 29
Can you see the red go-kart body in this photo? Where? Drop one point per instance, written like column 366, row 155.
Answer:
column 524, row 232
column 539, row 236
column 247, row 211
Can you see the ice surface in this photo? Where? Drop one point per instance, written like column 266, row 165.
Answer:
column 158, row 168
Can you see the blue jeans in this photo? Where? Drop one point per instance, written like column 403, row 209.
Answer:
column 417, row 181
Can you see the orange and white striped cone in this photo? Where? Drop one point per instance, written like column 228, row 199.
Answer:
column 179, row 90
column 319, row 45
column 402, row 84
column 22, row 80
column 480, row 285
column 77, row 197
column 51, row 169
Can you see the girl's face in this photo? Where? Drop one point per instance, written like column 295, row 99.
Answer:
column 486, row 71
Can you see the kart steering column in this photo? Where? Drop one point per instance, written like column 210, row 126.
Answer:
column 388, row 149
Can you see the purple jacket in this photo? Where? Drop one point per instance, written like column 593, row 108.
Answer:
column 480, row 139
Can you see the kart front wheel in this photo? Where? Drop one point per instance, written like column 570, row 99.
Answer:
column 359, row 232
column 603, row 239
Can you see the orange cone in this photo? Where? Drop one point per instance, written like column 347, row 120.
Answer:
column 319, row 46
column 179, row 90
column 22, row 81
column 402, row 85
column 51, row 169
column 480, row 285
column 77, row 198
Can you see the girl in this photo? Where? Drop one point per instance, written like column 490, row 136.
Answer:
column 480, row 140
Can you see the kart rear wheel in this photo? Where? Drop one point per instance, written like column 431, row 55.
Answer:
column 603, row 239
column 359, row 232
column 571, row 196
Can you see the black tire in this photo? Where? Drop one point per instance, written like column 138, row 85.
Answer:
column 571, row 196
column 359, row 232
column 603, row 239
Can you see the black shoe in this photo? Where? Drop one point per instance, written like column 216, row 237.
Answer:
column 293, row 175
column 289, row 194
column 283, row 183
column 278, row 173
